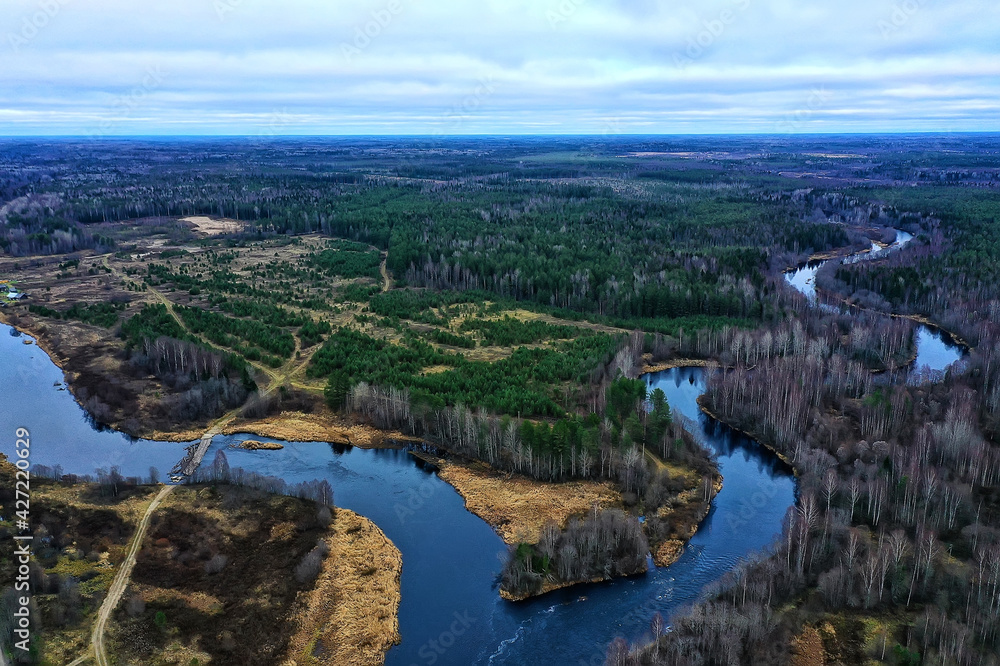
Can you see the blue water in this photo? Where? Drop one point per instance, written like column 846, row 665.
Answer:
column 450, row 612
column 33, row 394
column 935, row 351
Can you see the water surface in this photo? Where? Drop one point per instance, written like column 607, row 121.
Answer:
column 936, row 351
column 450, row 612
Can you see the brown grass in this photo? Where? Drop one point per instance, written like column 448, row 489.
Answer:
column 252, row 608
column 687, row 512
column 807, row 648
column 252, row 445
column 350, row 617
column 649, row 367
column 518, row 508
column 89, row 534
column 322, row 427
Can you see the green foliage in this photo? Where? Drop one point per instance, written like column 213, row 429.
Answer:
column 98, row 314
column 905, row 657
column 520, row 384
column 450, row 339
column 266, row 313
column 347, row 263
column 150, row 323
column 312, row 332
column 660, row 418
column 622, row 396
column 415, row 303
column 356, row 293
column 508, row 331
column 336, row 390
column 232, row 333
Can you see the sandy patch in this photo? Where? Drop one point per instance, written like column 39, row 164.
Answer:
column 210, row 227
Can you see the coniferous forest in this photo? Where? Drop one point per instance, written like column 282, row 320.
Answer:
column 500, row 301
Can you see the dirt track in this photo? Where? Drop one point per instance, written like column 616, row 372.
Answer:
column 121, row 582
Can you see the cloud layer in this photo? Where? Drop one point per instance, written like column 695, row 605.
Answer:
column 498, row 66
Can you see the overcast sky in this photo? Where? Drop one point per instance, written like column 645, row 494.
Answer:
column 107, row 67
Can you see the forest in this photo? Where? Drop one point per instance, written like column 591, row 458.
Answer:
column 527, row 286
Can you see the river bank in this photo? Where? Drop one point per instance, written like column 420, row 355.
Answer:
column 649, row 367
column 451, row 556
column 351, row 615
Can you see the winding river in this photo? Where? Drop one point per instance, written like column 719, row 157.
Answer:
column 936, row 350
column 451, row 612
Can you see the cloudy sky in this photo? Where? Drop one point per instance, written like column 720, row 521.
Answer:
column 107, row 67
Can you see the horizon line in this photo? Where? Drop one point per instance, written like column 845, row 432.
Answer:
column 592, row 135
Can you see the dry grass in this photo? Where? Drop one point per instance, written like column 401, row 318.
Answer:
column 650, row 367
column 518, row 508
column 688, row 511
column 322, row 427
column 807, row 648
column 252, row 445
column 84, row 524
column 351, row 616
column 241, row 612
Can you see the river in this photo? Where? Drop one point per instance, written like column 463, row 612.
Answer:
column 936, row 350
column 450, row 612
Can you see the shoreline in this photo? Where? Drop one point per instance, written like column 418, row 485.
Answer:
column 671, row 550
column 843, row 253
column 516, row 507
column 918, row 318
column 652, row 368
column 757, row 438
column 552, row 586
column 511, row 515
column 829, row 255
column 351, row 616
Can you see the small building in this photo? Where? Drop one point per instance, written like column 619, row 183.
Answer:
column 16, row 296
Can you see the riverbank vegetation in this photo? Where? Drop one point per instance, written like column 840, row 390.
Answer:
column 495, row 297
column 891, row 553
